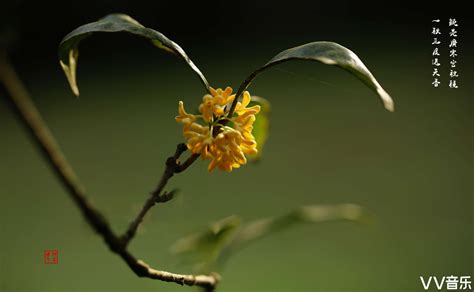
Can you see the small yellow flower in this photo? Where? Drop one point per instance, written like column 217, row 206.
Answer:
column 213, row 104
column 184, row 117
column 224, row 140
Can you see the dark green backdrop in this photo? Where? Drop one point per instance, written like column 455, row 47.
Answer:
column 330, row 142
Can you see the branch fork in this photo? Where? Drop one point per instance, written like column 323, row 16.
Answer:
column 29, row 115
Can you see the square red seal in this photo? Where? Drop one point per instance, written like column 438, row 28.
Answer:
column 51, row 256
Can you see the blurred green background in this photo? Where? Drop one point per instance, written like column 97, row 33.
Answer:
column 331, row 142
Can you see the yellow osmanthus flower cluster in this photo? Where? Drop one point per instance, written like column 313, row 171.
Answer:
column 222, row 139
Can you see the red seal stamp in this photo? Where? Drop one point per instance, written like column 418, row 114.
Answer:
column 51, row 256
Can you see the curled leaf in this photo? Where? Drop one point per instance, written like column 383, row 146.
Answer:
column 327, row 53
column 69, row 53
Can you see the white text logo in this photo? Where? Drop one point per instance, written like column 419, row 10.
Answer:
column 446, row 282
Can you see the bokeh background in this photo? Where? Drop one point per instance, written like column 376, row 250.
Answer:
column 331, row 142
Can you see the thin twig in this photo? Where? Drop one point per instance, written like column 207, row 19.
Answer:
column 183, row 166
column 31, row 118
column 172, row 167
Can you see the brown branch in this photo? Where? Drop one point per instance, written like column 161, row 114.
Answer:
column 182, row 167
column 172, row 166
column 41, row 135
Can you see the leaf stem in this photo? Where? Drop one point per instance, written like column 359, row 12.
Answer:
column 241, row 90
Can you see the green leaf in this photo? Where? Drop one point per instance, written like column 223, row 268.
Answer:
column 203, row 248
column 306, row 214
column 210, row 249
column 327, row 53
column 313, row 214
column 69, row 52
column 261, row 126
